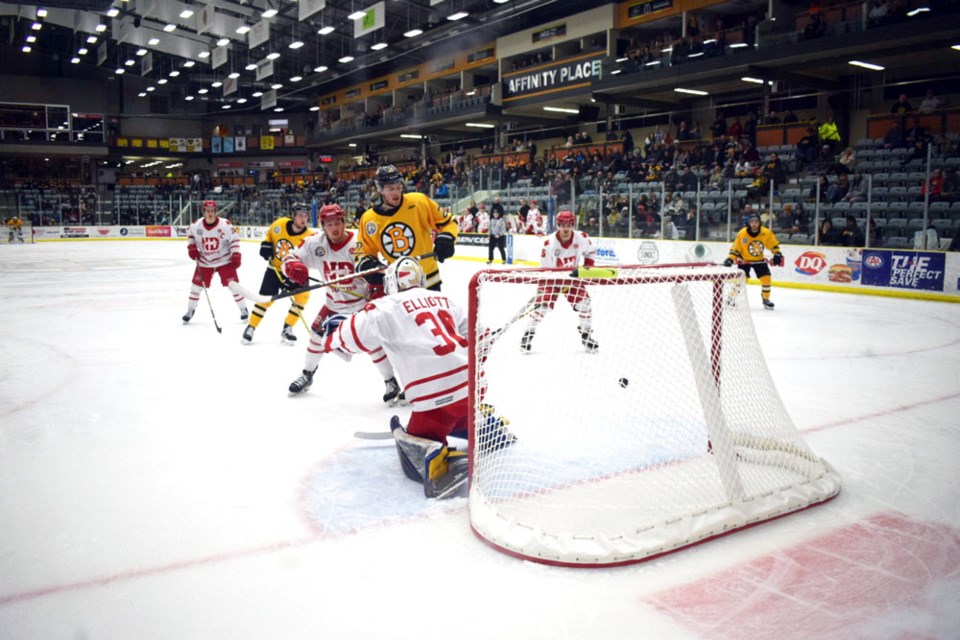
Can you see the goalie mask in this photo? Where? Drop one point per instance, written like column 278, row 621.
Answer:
column 405, row 273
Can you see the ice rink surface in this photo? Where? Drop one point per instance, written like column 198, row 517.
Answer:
column 156, row 481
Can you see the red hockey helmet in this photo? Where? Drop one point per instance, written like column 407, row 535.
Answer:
column 209, row 204
column 330, row 211
column 566, row 217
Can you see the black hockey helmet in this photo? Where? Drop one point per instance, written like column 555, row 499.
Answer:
column 387, row 174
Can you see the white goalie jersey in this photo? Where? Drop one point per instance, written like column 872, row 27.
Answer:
column 423, row 334
column 335, row 261
column 215, row 243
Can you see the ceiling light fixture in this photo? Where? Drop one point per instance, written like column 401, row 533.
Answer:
column 346, row 59
column 188, row 98
column 75, row 60
column 100, row 28
column 153, row 42
column 561, row 109
column 243, row 29
column 325, row 30
column 413, row 33
column 296, row 44
column 41, row 13
column 753, row 80
column 411, row 136
column 235, row 74
column 120, row 71
column 257, row 94
column 216, row 84
column 169, row 28
column 273, row 55
column 83, row 51
column 36, row 26
column 481, row 125
column 162, row 81
column 459, row 15
column 866, row 65
column 204, row 55
column 356, row 15
column 241, row 100
column 203, row 92
column 31, row 39
column 314, row 108
column 141, row 52
column 186, row 13
column 278, row 109
column 251, row 67
column 189, row 63
column 129, row 62
column 320, row 69
column 222, row 42
column 26, row 48
column 692, row 92
column 917, row 11
column 174, row 73
column 296, row 78
column 269, row 13
column 276, row 85
column 379, row 46
column 92, row 39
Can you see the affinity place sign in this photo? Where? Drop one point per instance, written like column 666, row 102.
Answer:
column 554, row 77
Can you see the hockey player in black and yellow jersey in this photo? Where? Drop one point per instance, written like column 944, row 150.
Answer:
column 404, row 224
column 748, row 252
column 15, row 227
column 283, row 236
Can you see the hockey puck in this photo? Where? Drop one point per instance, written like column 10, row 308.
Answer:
column 624, row 382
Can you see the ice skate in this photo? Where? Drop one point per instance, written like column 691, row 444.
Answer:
column 586, row 337
column 247, row 335
column 392, row 394
column 768, row 305
column 287, row 335
column 526, row 341
column 244, row 314
column 302, row 383
column 188, row 315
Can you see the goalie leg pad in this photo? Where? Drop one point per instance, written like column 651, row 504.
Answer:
column 492, row 433
column 413, row 451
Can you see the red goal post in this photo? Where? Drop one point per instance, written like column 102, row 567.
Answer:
column 670, row 434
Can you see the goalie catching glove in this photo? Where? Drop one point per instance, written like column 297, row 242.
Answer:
column 296, row 271
column 443, row 246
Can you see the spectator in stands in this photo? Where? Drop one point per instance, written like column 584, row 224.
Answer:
column 735, row 130
column 774, row 170
column 829, row 134
column 917, row 152
column 936, row 186
column 902, row 106
column 750, row 128
column 828, row 236
column 670, row 231
column 950, row 189
column 929, row 104
column 846, row 161
column 794, row 219
column 772, row 118
column 790, row 117
column 806, row 152
column 719, row 126
column 955, row 243
column 915, row 132
column 852, row 235
column 875, row 233
column 894, row 138
column 839, row 189
column 858, row 189
column 824, row 187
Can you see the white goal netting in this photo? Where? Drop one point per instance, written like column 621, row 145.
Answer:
column 672, row 432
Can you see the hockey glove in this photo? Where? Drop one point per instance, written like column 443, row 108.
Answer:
column 331, row 323
column 235, row 260
column 296, row 271
column 368, row 263
column 375, row 291
column 778, row 259
column 193, row 252
column 266, row 250
column 443, row 246
column 728, row 262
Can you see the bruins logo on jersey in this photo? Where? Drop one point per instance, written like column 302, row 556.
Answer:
column 398, row 239
column 282, row 249
column 755, row 248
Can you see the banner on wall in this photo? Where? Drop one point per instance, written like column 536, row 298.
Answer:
column 373, row 18
column 240, row 143
column 921, row 270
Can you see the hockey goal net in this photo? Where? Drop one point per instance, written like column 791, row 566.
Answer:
column 671, row 433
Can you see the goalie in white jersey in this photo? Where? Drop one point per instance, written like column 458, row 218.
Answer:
column 423, row 332
column 332, row 254
column 565, row 248
column 213, row 244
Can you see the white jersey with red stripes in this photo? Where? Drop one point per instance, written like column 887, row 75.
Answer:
column 335, row 261
column 215, row 243
column 556, row 253
column 423, row 333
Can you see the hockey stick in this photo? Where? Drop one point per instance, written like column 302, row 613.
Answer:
column 491, row 336
column 256, row 297
column 207, row 294
column 373, row 435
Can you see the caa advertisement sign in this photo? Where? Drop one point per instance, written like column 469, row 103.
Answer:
column 904, row 270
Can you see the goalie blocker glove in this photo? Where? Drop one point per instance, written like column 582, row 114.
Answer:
column 372, row 263
column 443, row 246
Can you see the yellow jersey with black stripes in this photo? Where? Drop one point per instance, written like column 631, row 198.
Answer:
column 406, row 231
column 748, row 248
column 284, row 240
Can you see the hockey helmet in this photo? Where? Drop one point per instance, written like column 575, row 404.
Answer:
column 387, row 174
column 209, row 204
column 566, row 217
column 330, row 211
column 753, row 215
column 405, row 273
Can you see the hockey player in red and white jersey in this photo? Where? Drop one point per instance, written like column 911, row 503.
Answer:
column 483, row 220
column 332, row 254
column 567, row 248
column 536, row 224
column 423, row 332
column 213, row 244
